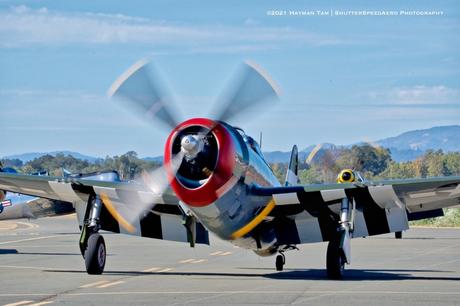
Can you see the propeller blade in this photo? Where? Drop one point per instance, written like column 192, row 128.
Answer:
column 116, row 215
column 142, row 87
column 252, row 87
column 313, row 153
column 157, row 182
column 326, row 159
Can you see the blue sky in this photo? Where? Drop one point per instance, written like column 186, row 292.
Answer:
column 344, row 78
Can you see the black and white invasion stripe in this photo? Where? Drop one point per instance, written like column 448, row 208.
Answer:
column 313, row 215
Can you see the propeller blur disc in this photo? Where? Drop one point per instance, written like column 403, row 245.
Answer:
column 143, row 89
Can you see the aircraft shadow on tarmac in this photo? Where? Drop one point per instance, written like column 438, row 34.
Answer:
column 420, row 238
column 311, row 274
column 8, row 251
column 43, row 253
column 48, row 254
column 14, row 251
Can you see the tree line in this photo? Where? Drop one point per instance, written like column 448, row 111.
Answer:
column 374, row 163
column 128, row 165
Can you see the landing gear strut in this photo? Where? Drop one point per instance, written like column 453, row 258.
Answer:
column 338, row 249
column 280, row 261
column 92, row 245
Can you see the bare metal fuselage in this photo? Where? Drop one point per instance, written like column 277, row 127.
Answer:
column 236, row 210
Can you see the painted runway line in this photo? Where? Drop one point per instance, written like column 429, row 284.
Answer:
column 220, row 253
column 151, row 269
column 256, row 292
column 198, row 261
column 7, row 226
column 41, row 303
column 94, row 284
column 29, row 303
column 110, row 284
column 28, row 225
column 216, row 253
column 19, row 303
column 30, row 239
column 225, row 253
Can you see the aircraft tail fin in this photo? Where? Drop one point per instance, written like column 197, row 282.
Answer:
column 65, row 172
column 292, row 171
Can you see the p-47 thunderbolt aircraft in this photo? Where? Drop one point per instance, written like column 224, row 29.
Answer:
column 214, row 178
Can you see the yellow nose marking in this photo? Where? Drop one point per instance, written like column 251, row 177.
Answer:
column 256, row 221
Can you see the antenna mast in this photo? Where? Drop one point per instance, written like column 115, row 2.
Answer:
column 260, row 140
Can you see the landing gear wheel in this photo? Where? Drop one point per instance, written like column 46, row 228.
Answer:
column 280, row 261
column 334, row 260
column 95, row 254
column 398, row 235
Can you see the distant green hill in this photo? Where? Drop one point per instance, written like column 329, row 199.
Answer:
column 404, row 147
column 25, row 157
column 412, row 144
column 446, row 138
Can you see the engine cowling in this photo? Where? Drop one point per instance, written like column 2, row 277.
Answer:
column 207, row 168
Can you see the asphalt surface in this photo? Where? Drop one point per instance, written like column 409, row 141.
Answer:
column 40, row 264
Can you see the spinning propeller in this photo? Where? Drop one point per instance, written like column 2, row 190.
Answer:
column 141, row 87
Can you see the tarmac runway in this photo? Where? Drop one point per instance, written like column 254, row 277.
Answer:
column 40, row 264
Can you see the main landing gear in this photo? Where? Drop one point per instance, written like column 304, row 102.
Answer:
column 280, row 261
column 339, row 249
column 92, row 245
column 335, row 261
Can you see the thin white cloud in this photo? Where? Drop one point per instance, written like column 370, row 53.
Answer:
column 9, row 93
column 31, row 109
column 22, row 26
column 415, row 95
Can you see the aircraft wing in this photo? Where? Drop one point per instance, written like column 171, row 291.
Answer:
column 164, row 220
column 310, row 213
column 18, row 206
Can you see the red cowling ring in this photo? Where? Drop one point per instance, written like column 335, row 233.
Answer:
column 223, row 172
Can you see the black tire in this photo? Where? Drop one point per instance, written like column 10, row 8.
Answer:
column 398, row 235
column 95, row 254
column 279, row 263
column 334, row 260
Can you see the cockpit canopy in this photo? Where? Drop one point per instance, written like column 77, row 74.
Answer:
column 250, row 142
